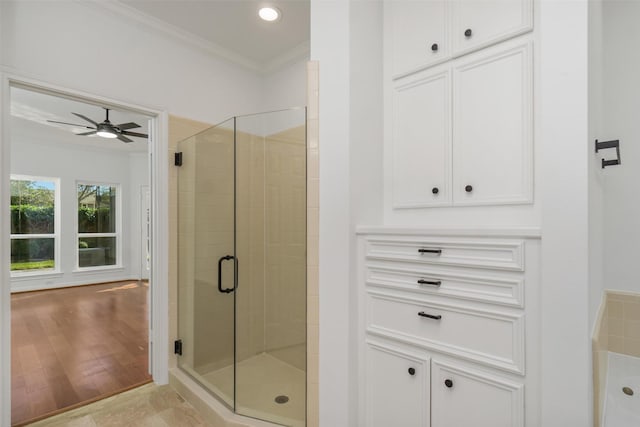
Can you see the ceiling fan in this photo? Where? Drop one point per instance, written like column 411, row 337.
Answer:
column 106, row 129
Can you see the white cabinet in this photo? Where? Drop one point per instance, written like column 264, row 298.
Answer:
column 422, row 141
column 441, row 330
column 462, row 397
column 397, row 387
column 420, row 34
column 461, row 133
column 492, row 134
column 479, row 23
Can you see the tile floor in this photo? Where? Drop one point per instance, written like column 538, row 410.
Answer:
column 149, row 405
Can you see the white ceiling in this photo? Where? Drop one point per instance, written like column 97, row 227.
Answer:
column 234, row 25
column 31, row 110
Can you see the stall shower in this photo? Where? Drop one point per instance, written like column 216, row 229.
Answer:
column 242, row 263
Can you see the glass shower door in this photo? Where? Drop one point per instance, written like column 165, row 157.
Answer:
column 271, row 229
column 242, row 264
column 206, row 259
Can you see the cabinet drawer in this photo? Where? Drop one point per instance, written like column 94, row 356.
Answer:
column 507, row 291
column 494, row 338
column 461, row 397
column 500, row 255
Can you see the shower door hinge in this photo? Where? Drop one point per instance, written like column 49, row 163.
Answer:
column 177, row 347
column 177, row 158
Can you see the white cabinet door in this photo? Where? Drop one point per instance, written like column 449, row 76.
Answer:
column 492, row 126
column 421, row 141
column 461, row 397
column 479, row 23
column 418, row 32
column 396, row 388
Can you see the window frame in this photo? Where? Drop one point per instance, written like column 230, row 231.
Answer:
column 117, row 234
column 57, row 221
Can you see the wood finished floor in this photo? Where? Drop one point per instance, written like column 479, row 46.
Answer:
column 75, row 345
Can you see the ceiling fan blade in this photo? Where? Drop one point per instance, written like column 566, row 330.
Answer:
column 130, row 125
column 86, row 118
column 70, row 124
column 124, row 138
column 93, row 132
column 139, row 135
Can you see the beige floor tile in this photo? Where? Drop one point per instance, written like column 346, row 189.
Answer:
column 149, row 405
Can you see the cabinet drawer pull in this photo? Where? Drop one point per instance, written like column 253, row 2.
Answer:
column 412, row 371
column 434, row 47
column 448, row 383
column 435, row 190
column 468, row 32
column 429, row 282
column 430, row 316
column 468, row 188
column 430, row 251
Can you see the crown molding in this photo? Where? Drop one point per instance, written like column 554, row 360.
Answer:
column 298, row 53
column 173, row 32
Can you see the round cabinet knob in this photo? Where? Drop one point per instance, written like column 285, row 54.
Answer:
column 468, row 188
column 468, row 32
column 434, row 47
column 435, row 190
column 412, row 371
column 448, row 383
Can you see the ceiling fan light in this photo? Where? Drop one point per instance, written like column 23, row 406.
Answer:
column 106, row 133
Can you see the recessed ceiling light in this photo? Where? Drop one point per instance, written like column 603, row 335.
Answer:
column 269, row 14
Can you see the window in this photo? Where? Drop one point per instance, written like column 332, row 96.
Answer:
column 98, row 225
column 34, row 224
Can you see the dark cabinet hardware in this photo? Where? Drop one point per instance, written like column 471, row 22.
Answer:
column 468, row 32
column 177, row 347
column 435, row 190
column 609, row 144
column 430, row 316
column 235, row 278
column 468, row 188
column 429, row 282
column 430, row 251
column 177, row 158
column 448, row 383
column 412, row 371
column 434, row 47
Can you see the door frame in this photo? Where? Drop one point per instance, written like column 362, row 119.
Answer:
column 159, row 185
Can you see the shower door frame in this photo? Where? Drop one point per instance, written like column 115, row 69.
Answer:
column 159, row 185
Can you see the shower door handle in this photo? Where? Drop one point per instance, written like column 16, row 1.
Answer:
column 235, row 278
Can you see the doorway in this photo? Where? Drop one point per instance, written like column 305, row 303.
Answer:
column 96, row 226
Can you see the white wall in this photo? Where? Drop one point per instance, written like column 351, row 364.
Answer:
column 621, row 110
column 38, row 153
column 366, row 147
column 66, row 43
column 596, row 178
column 285, row 88
column 562, row 114
column 330, row 46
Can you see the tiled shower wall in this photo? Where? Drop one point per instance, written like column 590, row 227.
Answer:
column 617, row 330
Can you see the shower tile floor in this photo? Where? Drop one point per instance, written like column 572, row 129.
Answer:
column 622, row 410
column 260, row 379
